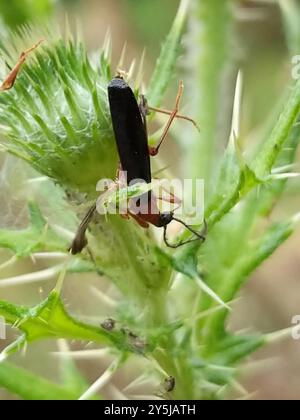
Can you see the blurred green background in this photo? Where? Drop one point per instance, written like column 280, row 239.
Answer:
column 271, row 298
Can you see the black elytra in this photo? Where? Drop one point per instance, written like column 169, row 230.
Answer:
column 130, row 133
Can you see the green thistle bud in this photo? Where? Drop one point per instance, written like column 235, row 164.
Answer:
column 56, row 115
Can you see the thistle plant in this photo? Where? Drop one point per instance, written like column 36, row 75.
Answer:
column 168, row 312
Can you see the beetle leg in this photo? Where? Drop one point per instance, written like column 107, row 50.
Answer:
column 144, row 110
column 125, row 216
column 121, row 180
column 173, row 199
column 140, row 221
column 80, row 241
column 11, row 78
column 178, row 116
column 153, row 151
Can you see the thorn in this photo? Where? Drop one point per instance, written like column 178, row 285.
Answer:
column 37, row 179
column 247, row 397
column 68, row 31
column 259, row 366
column 122, row 57
column 236, row 113
column 116, row 393
column 238, row 151
column 65, row 233
column 203, row 286
column 144, row 397
column 278, row 336
column 239, row 388
column 139, row 382
column 296, row 218
column 3, row 356
column 211, row 386
column 9, row 262
column 33, row 259
column 249, row 15
column 131, row 69
column 24, row 349
column 182, row 13
column 140, row 72
column 64, row 348
column 83, row 354
column 284, row 168
column 78, row 31
column 62, row 275
column 107, row 300
column 103, row 380
column 15, row 346
column 49, row 255
column 159, row 368
column 211, row 311
column 36, row 276
column 107, row 45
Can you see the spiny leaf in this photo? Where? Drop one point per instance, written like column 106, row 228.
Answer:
column 234, row 276
column 49, row 319
column 258, row 172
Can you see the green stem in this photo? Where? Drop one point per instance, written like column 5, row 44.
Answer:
column 129, row 258
column 31, row 387
column 211, row 36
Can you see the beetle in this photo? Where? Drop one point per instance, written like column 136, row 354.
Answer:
column 130, row 129
column 129, row 121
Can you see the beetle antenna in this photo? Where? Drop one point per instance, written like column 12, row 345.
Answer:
column 199, row 235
